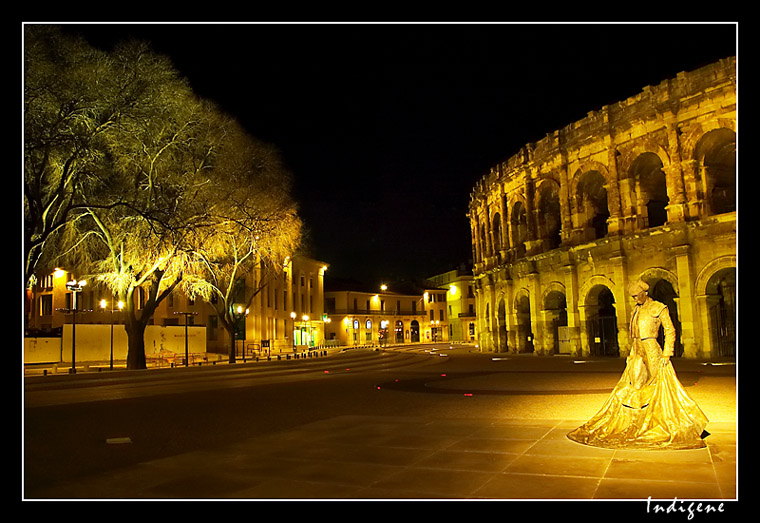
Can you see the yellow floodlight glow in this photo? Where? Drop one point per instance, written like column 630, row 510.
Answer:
column 383, row 287
column 453, row 289
column 59, row 273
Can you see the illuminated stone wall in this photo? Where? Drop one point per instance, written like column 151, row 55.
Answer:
column 644, row 188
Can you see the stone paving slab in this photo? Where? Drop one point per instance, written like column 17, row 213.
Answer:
column 375, row 457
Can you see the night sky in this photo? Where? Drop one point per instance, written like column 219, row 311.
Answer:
column 387, row 127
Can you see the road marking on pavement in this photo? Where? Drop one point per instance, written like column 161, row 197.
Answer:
column 118, row 441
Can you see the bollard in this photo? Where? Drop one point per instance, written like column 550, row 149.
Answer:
column 44, row 372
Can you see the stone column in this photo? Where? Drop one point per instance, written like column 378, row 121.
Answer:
column 686, row 300
column 614, row 222
column 506, row 240
column 676, row 208
column 564, row 201
column 694, row 198
column 536, row 318
column 571, row 301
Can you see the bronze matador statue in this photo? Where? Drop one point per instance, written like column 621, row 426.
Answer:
column 648, row 408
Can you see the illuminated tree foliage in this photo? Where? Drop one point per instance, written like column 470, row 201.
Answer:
column 70, row 102
column 173, row 194
column 253, row 228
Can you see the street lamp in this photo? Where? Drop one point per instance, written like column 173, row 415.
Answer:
column 103, row 306
column 186, row 315
column 237, row 311
column 293, row 318
column 305, row 318
column 74, row 286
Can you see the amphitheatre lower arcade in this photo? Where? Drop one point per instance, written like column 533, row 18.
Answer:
column 641, row 189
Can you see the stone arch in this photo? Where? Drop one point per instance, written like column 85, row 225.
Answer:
column 601, row 322
column 648, row 189
column 653, row 274
column 715, row 156
column 498, row 242
column 709, row 270
column 585, row 167
column 554, row 304
column 549, row 213
column 518, row 221
column 484, row 244
column 592, row 207
column 501, row 324
column 595, row 325
column 521, row 308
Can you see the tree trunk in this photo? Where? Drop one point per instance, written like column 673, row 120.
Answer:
column 136, row 343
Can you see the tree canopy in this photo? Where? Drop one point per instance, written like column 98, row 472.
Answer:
column 138, row 183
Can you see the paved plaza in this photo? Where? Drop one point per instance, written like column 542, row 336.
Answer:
column 461, row 456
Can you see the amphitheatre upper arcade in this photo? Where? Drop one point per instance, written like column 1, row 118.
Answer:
column 644, row 188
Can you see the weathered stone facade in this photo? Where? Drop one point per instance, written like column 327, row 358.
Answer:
column 644, row 188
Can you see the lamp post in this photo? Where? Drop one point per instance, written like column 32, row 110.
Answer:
column 103, row 306
column 186, row 315
column 305, row 319
column 293, row 318
column 74, row 286
column 237, row 312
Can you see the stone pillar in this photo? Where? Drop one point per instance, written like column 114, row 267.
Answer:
column 692, row 185
column 506, row 239
column 623, row 304
column 536, row 318
column 614, row 222
column 571, row 301
column 676, row 208
column 705, row 348
column 564, row 201
column 686, row 301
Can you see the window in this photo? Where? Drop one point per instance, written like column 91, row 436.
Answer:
column 46, row 305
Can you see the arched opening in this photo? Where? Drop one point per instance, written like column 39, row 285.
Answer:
column 549, row 217
column 555, row 308
column 652, row 190
column 399, row 332
column 484, row 247
column 501, row 321
column 519, row 223
column 524, row 330
column 496, row 228
column 592, row 205
column 601, row 322
column 663, row 291
column 721, row 301
column 414, row 331
column 717, row 153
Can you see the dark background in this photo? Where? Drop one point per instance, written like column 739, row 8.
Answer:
column 387, row 127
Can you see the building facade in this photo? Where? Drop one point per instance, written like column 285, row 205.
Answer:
column 286, row 315
column 386, row 317
column 460, row 303
column 644, row 188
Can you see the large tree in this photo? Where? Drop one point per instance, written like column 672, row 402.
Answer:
column 150, row 168
column 71, row 100
column 253, row 228
column 145, row 187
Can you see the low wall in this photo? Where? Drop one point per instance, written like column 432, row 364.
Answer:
column 93, row 343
